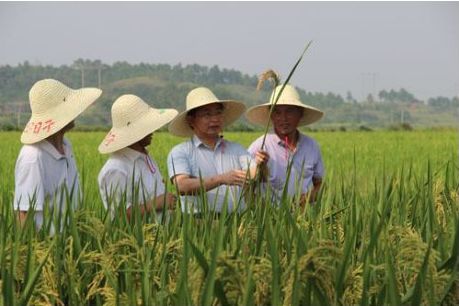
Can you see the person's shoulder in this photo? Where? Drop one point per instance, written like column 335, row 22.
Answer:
column 181, row 147
column 257, row 142
column 309, row 141
column 115, row 164
column 233, row 144
column 269, row 140
column 30, row 153
column 307, row 138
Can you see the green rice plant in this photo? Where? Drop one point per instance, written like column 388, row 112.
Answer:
column 384, row 230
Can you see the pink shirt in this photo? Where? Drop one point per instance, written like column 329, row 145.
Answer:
column 306, row 163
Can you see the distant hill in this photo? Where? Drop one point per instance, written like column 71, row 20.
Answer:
column 166, row 86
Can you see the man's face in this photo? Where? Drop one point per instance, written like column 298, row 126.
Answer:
column 146, row 141
column 207, row 121
column 285, row 119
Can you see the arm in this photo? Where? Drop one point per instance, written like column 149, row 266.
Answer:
column 317, row 176
column 21, row 217
column 116, row 183
column 160, row 203
column 188, row 185
column 316, row 183
column 29, row 189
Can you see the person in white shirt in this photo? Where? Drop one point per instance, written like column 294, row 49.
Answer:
column 46, row 174
column 130, row 176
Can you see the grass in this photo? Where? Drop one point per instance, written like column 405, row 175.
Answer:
column 385, row 231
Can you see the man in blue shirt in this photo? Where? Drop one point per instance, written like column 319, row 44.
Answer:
column 207, row 162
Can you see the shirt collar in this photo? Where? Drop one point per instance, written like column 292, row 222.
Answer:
column 281, row 142
column 131, row 154
column 197, row 142
column 51, row 150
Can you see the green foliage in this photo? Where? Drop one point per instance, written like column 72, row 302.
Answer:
column 384, row 230
column 166, row 86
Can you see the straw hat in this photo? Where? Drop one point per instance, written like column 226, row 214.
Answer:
column 202, row 96
column 259, row 114
column 132, row 120
column 54, row 105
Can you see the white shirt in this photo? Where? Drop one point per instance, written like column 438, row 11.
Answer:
column 195, row 159
column 41, row 176
column 131, row 174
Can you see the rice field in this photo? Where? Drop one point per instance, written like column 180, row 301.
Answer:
column 385, row 231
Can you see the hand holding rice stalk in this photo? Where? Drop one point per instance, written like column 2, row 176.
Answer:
column 273, row 76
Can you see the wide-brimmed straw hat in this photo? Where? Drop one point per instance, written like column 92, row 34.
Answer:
column 202, row 96
column 132, row 120
column 259, row 114
column 54, row 105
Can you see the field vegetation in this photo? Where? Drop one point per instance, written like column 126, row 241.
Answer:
column 384, row 231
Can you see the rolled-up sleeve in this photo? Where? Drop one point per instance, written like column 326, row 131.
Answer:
column 178, row 162
column 319, row 166
column 113, row 187
column 29, row 188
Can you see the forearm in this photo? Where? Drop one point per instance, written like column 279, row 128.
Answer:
column 311, row 195
column 191, row 186
column 315, row 191
column 143, row 209
column 21, row 217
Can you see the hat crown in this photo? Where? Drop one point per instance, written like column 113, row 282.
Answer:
column 47, row 94
column 199, row 97
column 127, row 109
column 288, row 94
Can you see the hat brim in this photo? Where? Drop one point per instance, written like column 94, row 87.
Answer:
column 152, row 120
column 259, row 114
column 231, row 112
column 41, row 126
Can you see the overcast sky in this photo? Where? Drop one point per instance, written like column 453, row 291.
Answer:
column 361, row 47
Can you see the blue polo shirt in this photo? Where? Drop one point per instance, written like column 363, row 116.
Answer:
column 195, row 159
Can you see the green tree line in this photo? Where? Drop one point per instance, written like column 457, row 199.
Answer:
column 164, row 85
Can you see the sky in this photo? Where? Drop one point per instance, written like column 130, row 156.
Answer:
column 361, row 47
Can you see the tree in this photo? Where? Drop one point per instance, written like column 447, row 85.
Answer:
column 439, row 102
column 370, row 99
column 349, row 97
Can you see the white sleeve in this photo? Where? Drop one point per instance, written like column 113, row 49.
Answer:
column 159, row 187
column 319, row 166
column 114, row 189
column 29, row 190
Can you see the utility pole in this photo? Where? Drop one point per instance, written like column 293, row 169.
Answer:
column 99, row 76
column 369, row 83
column 373, row 76
column 82, row 75
column 18, row 115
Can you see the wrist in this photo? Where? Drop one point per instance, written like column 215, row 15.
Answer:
column 220, row 180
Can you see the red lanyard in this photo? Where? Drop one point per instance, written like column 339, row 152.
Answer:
column 286, row 147
column 150, row 163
